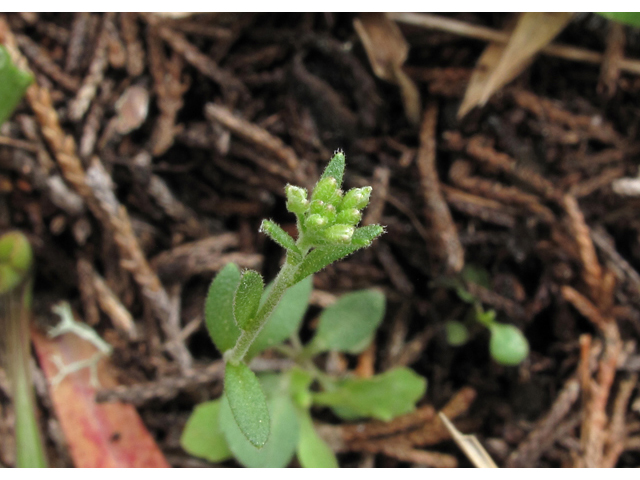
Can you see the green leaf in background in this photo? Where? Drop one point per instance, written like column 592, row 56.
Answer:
column 508, row 345
column 247, row 298
column 13, row 84
column 457, row 333
column 281, row 446
column 313, row 452
column 299, row 383
column 383, row 396
column 349, row 324
column 218, row 308
column 629, row 18
column 202, row 436
column 286, row 318
column 247, row 402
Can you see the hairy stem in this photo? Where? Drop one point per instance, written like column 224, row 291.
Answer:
column 247, row 337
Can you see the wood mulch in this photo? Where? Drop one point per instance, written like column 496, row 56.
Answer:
column 150, row 149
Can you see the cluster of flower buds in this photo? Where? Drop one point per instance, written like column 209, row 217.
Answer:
column 329, row 217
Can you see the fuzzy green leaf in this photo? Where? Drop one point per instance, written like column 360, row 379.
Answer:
column 320, row 257
column 13, row 84
column 218, row 308
column 335, row 168
column 285, row 319
column 247, row 402
column 279, row 449
column 508, row 346
column 383, row 396
column 278, row 235
column 349, row 324
column 312, row 451
column 202, row 436
column 247, row 298
column 363, row 236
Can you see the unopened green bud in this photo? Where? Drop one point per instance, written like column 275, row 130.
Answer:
column 325, row 209
column 16, row 258
column 356, row 198
column 339, row 233
column 296, row 199
column 350, row 216
column 326, row 190
column 316, row 221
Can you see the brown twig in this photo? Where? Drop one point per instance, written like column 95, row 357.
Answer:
column 113, row 308
column 614, row 53
column 541, row 437
column 591, row 269
column 253, row 134
column 593, row 427
column 479, row 149
column 617, row 434
column 135, row 52
column 169, row 87
column 168, row 387
column 202, row 256
column 480, row 207
column 448, row 247
column 80, row 103
column 200, row 61
column 460, row 174
column 77, row 41
column 43, row 61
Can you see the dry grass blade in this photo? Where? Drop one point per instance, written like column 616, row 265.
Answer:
column 387, row 51
column 532, row 32
column 470, row 445
column 482, row 72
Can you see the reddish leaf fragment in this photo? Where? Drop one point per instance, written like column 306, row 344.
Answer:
column 99, row 435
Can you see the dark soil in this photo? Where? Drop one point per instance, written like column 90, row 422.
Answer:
column 186, row 174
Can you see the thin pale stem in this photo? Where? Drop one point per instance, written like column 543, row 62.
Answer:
column 14, row 306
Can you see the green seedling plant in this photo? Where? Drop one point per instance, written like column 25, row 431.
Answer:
column 348, row 326
column 507, row 345
column 264, row 421
column 16, row 265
